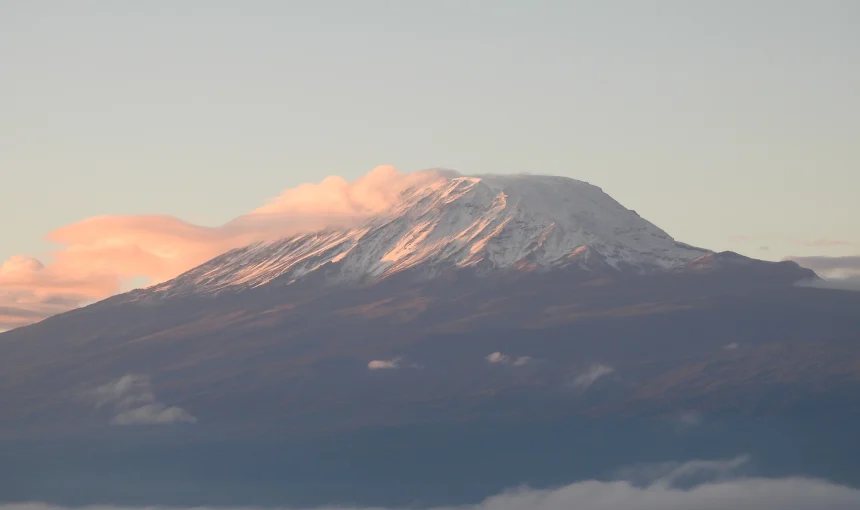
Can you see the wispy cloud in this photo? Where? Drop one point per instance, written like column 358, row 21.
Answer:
column 590, row 376
column 99, row 256
column 132, row 401
column 498, row 358
column 675, row 474
column 384, row 364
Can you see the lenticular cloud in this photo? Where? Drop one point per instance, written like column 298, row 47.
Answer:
column 99, row 256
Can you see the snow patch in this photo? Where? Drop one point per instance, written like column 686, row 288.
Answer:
column 490, row 222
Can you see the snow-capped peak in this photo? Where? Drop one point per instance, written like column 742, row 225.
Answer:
column 489, row 223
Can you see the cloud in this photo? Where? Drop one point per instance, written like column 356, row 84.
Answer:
column 132, row 402
column 100, row 256
column 837, row 272
column 497, row 358
column 31, row 291
column 785, row 494
column 831, row 267
column 586, row 379
column 389, row 364
column 153, row 414
column 660, row 487
column 683, row 474
column 851, row 283
column 336, row 198
column 731, row 347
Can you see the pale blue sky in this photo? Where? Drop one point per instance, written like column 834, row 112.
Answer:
column 730, row 124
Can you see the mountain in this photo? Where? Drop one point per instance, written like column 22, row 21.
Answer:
column 488, row 224
column 474, row 256
column 531, row 306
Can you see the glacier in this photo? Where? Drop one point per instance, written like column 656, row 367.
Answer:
column 486, row 223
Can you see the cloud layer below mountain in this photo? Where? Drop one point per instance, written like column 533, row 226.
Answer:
column 131, row 401
column 784, row 494
column 836, row 272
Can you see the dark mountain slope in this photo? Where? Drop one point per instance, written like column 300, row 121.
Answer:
column 722, row 341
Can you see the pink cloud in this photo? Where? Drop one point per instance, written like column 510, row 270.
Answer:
column 31, row 291
column 97, row 256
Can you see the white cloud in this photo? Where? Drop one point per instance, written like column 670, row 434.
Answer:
column 388, row 364
column 847, row 283
column 784, row 494
column 675, row 474
column 497, row 357
column 586, row 379
column 731, row 347
column 504, row 359
column 153, row 414
column 132, row 402
column 660, row 494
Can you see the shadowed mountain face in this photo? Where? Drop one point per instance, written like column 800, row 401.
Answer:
column 733, row 339
column 268, row 398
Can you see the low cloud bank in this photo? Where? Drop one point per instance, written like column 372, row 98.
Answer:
column 836, row 272
column 742, row 493
column 852, row 283
column 835, row 267
column 132, row 401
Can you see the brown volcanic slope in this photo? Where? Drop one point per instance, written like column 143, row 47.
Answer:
column 729, row 336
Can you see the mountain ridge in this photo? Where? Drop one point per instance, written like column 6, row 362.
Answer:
column 489, row 223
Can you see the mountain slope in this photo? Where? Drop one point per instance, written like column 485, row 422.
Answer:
column 488, row 223
column 583, row 307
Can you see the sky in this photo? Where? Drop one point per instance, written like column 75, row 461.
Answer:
column 730, row 124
